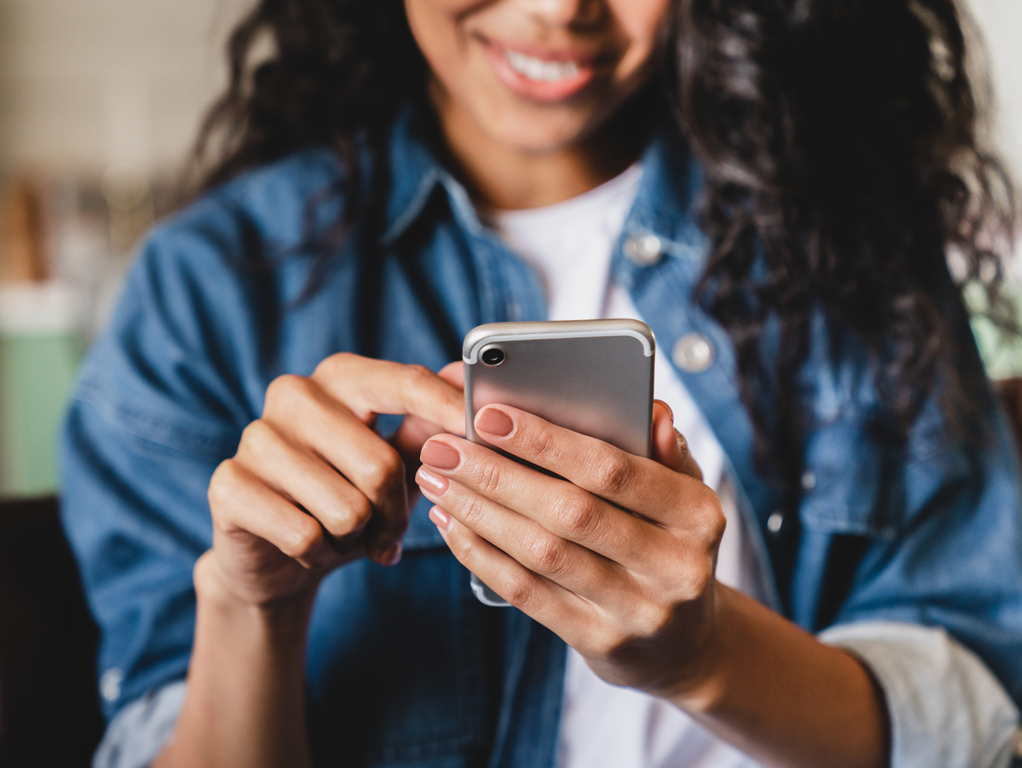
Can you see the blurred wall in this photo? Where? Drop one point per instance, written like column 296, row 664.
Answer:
column 1000, row 22
column 90, row 84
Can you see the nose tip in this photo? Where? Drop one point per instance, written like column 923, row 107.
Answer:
column 567, row 12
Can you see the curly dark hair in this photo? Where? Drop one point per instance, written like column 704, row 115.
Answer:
column 841, row 143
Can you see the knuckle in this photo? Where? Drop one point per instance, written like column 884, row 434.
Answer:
column 489, row 477
column 683, row 448
column 652, row 618
column 284, row 390
column 352, row 517
column 712, row 521
column 517, row 589
column 609, row 642
column 384, row 471
column 701, row 578
column 463, row 549
column 473, row 511
column 258, row 438
column 718, row 526
column 417, row 373
column 577, row 514
column 691, row 579
column 543, row 443
column 330, row 365
column 360, row 512
column 223, row 486
column 414, row 376
column 548, row 555
column 613, row 473
column 302, row 540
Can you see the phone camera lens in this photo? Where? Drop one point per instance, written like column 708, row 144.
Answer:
column 493, row 356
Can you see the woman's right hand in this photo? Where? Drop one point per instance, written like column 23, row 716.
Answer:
column 314, row 486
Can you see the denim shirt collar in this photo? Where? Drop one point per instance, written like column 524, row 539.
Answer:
column 415, row 173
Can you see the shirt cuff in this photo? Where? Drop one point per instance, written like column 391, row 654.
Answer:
column 140, row 731
column 947, row 710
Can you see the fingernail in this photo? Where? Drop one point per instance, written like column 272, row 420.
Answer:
column 440, row 455
column 392, row 556
column 669, row 409
column 440, row 518
column 437, row 486
column 494, row 421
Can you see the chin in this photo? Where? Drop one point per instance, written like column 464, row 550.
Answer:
column 539, row 135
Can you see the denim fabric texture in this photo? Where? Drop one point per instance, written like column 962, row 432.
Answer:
column 405, row 667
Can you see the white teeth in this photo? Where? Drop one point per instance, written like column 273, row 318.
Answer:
column 537, row 69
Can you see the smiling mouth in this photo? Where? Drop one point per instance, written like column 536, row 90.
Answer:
column 540, row 70
column 551, row 76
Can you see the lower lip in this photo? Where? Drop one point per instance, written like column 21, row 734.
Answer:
column 537, row 90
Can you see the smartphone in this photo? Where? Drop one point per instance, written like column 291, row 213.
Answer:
column 594, row 377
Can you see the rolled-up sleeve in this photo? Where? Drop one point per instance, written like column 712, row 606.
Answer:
column 141, row 730
column 947, row 710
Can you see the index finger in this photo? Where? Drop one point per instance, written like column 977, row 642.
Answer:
column 636, row 484
column 368, row 387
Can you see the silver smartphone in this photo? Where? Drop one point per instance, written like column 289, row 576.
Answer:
column 592, row 376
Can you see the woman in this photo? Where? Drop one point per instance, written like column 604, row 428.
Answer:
column 389, row 178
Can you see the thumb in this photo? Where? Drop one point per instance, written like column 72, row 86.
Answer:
column 669, row 446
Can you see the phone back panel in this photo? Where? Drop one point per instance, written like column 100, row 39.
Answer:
column 593, row 377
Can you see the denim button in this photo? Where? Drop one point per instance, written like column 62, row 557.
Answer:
column 808, row 480
column 775, row 522
column 644, row 249
column 693, row 353
column 110, row 684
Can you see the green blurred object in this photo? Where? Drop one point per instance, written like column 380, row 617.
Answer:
column 1002, row 355
column 36, row 371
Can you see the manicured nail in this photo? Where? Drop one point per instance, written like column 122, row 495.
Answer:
column 440, row 518
column 493, row 421
column 436, row 486
column 669, row 409
column 392, row 556
column 440, row 455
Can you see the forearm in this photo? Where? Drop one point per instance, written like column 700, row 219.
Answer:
column 783, row 697
column 245, row 706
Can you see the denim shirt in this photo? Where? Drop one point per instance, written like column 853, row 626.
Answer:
column 910, row 554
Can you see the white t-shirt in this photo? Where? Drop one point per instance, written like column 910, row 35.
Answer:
column 571, row 245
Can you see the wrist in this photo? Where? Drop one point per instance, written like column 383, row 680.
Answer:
column 703, row 682
column 285, row 618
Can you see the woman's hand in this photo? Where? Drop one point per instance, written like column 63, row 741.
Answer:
column 617, row 558
column 313, row 486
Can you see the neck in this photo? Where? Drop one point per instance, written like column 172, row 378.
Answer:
column 503, row 177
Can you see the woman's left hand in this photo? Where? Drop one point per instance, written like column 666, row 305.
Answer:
column 617, row 558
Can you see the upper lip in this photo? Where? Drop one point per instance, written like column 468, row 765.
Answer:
column 576, row 56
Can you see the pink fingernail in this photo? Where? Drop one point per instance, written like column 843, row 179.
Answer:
column 440, row 455
column 437, row 486
column 493, row 421
column 440, row 518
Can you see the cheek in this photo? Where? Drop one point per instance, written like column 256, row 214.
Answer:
column 639, row 22
column 437, row 28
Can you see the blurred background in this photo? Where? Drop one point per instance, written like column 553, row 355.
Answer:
column 99, row 103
